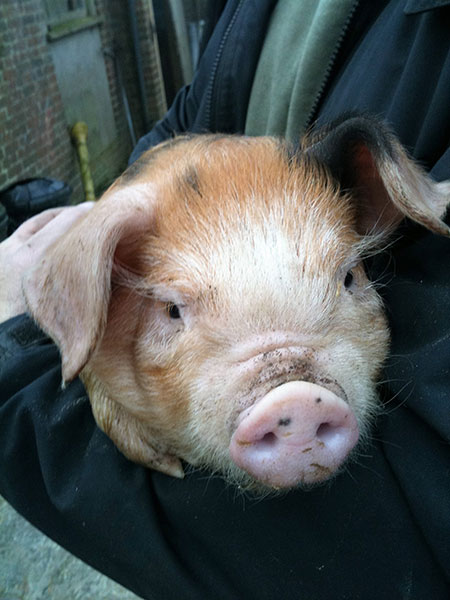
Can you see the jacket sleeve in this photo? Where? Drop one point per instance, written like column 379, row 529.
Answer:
column 65, row 476
column 177, row 120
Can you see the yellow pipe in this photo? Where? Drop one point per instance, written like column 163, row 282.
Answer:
column 79, row 134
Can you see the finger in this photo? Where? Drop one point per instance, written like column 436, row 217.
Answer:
column 59, row 224
column 30, row 227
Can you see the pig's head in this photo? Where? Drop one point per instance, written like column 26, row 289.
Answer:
column 216, row 305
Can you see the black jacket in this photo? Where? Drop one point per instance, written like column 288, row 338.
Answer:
column 380, row 530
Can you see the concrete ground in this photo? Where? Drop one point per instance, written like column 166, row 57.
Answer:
column 32, row 567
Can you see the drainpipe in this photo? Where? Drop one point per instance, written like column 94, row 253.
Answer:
column 112, row 54
column 79, row 134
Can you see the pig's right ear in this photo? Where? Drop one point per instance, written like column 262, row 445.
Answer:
column 368, row 161
column 68, row 291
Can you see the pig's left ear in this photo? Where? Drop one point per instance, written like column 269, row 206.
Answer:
column 368, row 161
column 68, row 290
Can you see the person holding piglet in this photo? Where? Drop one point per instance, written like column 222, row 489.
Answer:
column 195, row 538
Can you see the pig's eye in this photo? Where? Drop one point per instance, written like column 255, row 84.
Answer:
column 173, row 311
column 348, row 281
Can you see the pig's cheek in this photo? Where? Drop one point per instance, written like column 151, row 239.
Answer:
column 186, row 410
column 198, row 387
column 160, row 367
column 356, row 360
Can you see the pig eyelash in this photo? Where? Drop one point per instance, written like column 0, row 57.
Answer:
column 372, row 244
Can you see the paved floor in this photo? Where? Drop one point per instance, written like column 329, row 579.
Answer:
column 32, row 567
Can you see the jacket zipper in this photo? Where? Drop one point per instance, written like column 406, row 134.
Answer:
column 331, row 64
column 215, row 67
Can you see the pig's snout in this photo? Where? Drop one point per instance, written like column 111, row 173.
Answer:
column 298, row 433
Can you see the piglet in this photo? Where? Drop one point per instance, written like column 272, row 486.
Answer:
column 216, row 305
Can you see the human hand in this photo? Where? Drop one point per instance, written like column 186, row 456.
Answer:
column 25, row 247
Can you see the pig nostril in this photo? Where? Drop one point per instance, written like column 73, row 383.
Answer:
column 326, row 432
column 268, row 440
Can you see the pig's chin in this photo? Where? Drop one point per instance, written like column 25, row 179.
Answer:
column 299, row 434
column 246, row 484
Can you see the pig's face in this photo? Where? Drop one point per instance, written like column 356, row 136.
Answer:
column 247, row 283
column 241, row 333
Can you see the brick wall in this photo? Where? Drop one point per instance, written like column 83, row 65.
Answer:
column 34, row 137
column 34, row 140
